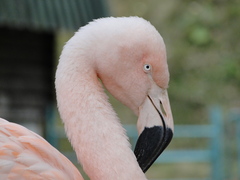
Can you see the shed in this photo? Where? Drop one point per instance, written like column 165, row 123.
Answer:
column 27, row 48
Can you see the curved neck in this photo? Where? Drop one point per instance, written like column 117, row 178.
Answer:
column 91, row 124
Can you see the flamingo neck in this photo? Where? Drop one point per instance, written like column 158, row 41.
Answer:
column 91, row 124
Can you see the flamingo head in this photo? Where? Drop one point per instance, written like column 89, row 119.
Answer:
column 131, row 62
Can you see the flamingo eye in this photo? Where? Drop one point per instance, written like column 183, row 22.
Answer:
column 147, row 67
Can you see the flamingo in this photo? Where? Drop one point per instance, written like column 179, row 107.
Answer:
column 128, row 55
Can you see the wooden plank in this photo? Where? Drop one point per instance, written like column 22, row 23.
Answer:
column 180, row 156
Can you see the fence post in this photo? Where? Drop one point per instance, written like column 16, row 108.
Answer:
column 216, row 118
column 235, row 118
column 238, row 145
column 50, row 126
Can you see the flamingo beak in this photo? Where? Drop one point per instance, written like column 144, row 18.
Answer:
column 155, row 127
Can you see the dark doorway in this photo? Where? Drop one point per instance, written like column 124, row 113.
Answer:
column 26, row 76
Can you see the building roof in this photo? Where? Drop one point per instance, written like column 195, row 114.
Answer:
column 50, row 14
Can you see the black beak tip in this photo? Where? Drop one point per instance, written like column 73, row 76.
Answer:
column 151, row 143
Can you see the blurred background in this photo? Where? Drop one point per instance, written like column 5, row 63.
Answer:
column 203, row 48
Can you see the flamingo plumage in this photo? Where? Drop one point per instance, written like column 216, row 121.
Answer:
column 128, row 55
column 24, row 155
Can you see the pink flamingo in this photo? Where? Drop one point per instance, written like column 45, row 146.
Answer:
column 128, row 55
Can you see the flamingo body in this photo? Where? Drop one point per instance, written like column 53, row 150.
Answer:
column 24, row 155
